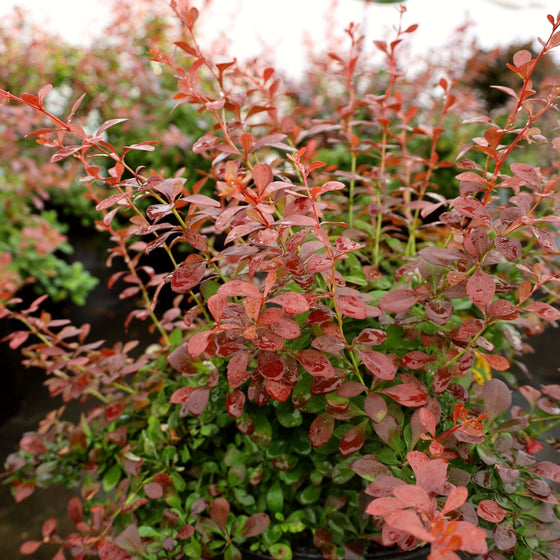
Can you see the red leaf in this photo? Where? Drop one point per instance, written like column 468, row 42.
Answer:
column 546, row 240
column 262, row 175
column 219, row 512
column 328, row 343
column 368, row 336
column 480, row 288
column 414, row 496
column 491, row 511
column 441, row 256
column 351, row 306
column 441, row 381
column 471, row 208
column 543, row 310
column 198, row 343
column 286, row 328
column 416, row 360
column 525, row 172
column 496, row 397
column 369, row 467
column 321, row 430
column 186, row 532
column 255, row 525
column 353, row 440
column 503, row 309
column 18, row 338
column 430, row 474
column 29, row 547
column 547, row 469
column 317, row 263
column 375, row 407
column 237, row 369
column 428, row 421
column 456, row 498
column 379, row 364
column 293, row 303
column 408, row 522
column 75, row 510
column 181, row 395
column 315, row 363
column 266, row 339
column 186, row 277
column 497, row 362
column 278, row 390
column 552, row 391
column 270, row 365
column 63, row 153
column 350, row 389
column 239, row 288
column 384, row 505
column 198, row 401
column 330, row 186
column 504, row 537
column 235, row 401
column 32, row 444
column 59, row 555
column 509, row 247
column 242, row 230
column 407, row 394
column 439, row 311
column 398, row 301
column 153, row 490
column 114, row 411
column 23, row 491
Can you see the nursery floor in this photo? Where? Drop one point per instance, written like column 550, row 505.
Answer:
column 19, row 522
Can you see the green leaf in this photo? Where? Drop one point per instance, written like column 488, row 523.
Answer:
column 342, row 473
column 246, row 500
column 288, row 416
column 176, row 337
column 192, row 549
column 280, row 551
column 169, row 455
column 262, row 434
column 209, row 288
column 178, row 481
column 275, row 497
column 292, row 476
column 111, row 478
column 237, row 474
column 301, row 443
column 310, row 495
column 232, row 553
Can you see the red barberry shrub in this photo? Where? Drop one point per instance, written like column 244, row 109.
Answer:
column 331, row 338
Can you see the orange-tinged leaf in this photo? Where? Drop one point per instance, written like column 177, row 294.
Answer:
column 456, row 498
column 414, row 496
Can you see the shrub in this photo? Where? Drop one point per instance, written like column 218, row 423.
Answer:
column 332, row 340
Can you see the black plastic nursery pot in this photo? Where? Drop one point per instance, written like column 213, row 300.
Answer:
column 381, row 554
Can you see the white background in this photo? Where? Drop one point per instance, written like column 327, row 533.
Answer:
column 282, row 24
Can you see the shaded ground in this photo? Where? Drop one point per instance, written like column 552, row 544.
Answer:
column 24, row 401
